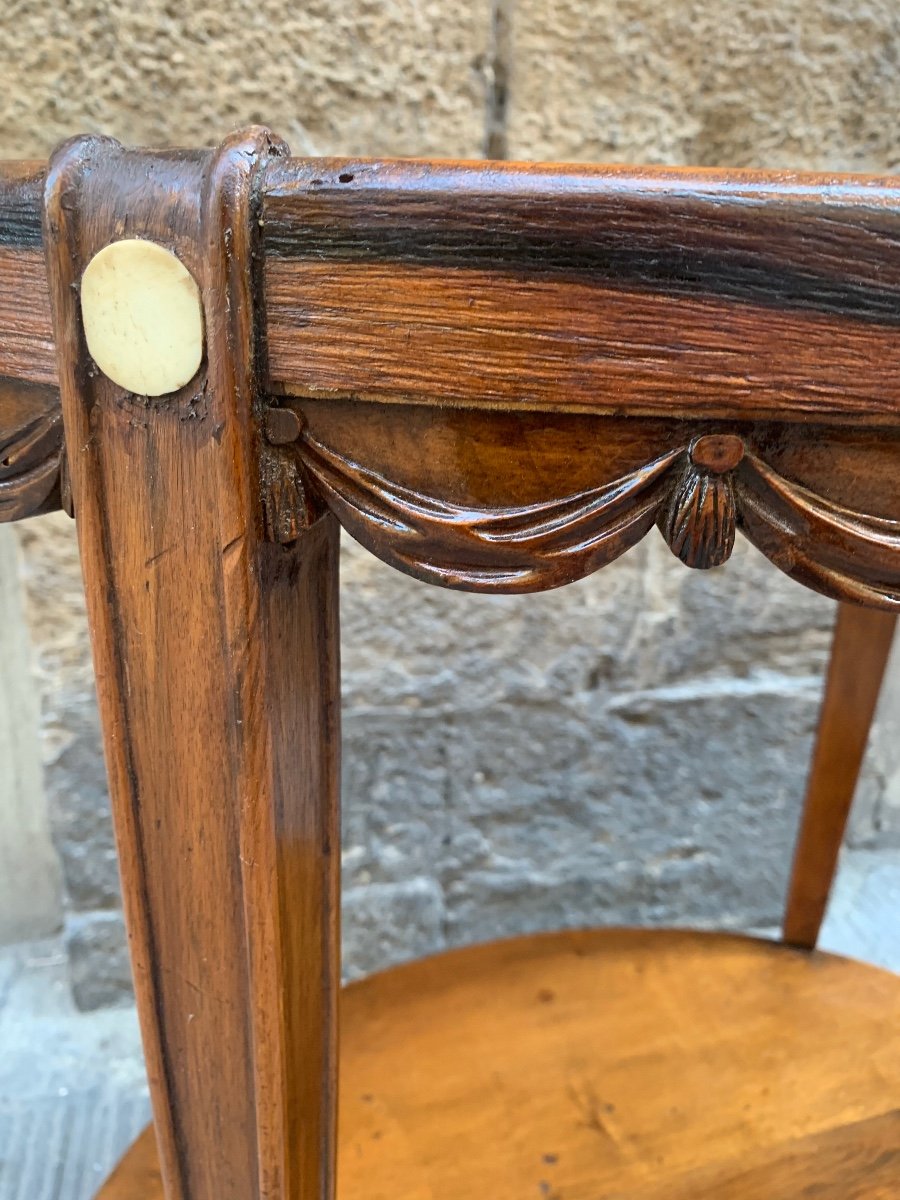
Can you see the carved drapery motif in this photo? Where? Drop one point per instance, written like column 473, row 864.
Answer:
column 31, row 458
column 699, row 519
column 699, row 495
column 516, row 549
column 846, row 554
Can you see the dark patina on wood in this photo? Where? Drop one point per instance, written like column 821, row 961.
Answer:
column 601, row 289
column 216, row 664
column 576, row 330
column 519, row 501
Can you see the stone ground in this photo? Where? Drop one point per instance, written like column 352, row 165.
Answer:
column 72, row 1087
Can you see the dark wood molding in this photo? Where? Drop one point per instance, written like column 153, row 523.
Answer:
column 720, row 304
column 606, row 289
column 30, row 418
column 27, row 350
column 722, row 294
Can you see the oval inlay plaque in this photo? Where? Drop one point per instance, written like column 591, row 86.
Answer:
column 143, row 319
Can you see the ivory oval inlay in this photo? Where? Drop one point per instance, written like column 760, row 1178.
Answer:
column 142, row 315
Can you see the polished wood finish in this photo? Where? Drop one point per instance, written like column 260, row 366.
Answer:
column 646, row 311
column 614, row 1065
column 862, row 643
column 31, row 450
column 27, row 348
column 519, row 502
column 605, row 289
column 854, row 1162
column 601, row 289
column 217, row 666
column 497, row 377
column 137, row 1176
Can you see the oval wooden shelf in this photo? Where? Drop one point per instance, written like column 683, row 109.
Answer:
column 607, row 1065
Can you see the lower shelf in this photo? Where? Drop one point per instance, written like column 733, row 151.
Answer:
column 613, row 1065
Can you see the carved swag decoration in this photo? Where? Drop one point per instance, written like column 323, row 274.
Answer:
column 33, row 476
column 797, row 275
column 697, row 494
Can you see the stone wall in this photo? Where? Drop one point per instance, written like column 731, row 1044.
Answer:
column 29, row 869
column 631, row 748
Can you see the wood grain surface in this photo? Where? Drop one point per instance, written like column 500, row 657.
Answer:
column 614, row 1065
column 32, row 479
column 520, row 502
column 605, row 289
column 859, row 655
column 616, row 290
column 498, row 378
column 27, row 350
column 693, row 304
column 216, row 657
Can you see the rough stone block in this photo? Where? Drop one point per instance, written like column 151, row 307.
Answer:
column 671, row 806
column 331, row 77
column 98, row 960
column 387, row 923
column 408, row 647
column 631, row 747
column 394, row 797
column 30, row 878
column 74, row 771
column 875, row 819
column 715, row 84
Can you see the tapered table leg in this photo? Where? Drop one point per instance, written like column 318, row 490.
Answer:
column 862, row 643
column 216, row 655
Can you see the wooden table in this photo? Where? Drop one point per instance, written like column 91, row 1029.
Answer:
column 497, row 377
